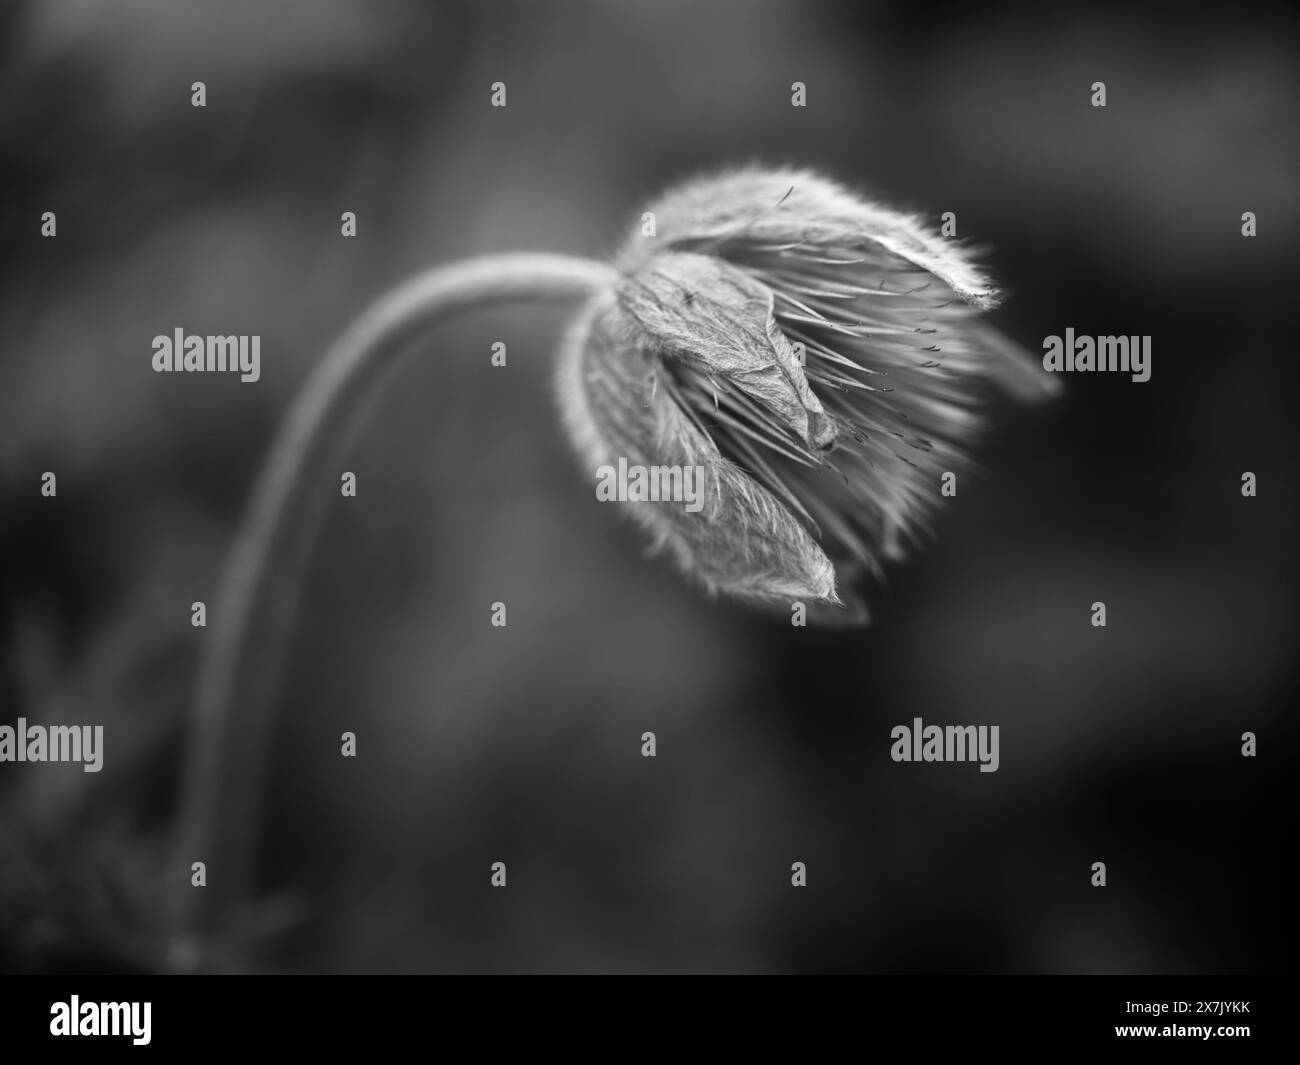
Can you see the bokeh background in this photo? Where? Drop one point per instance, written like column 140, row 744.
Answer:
column 477, row 744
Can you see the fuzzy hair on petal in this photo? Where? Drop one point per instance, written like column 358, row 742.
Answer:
column 743, row 542
column 788, row 205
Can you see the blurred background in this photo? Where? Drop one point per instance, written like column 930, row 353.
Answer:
column 523, row 745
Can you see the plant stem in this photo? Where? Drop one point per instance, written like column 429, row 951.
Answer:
column 232, row 715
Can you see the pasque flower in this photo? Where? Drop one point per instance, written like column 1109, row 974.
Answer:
column 822, row 358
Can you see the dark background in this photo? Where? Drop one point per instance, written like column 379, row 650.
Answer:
column 477, row 744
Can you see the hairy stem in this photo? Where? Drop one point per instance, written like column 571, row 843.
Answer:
column 232, row 715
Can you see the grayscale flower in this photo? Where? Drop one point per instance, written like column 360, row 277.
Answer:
column 822, row 358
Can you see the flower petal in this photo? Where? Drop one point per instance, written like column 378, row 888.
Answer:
column 710, row 313
column 743, row 542
column 788, row 206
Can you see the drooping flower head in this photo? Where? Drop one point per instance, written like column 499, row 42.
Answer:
column 822, row 359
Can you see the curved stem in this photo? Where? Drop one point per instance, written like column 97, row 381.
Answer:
column 230, row 728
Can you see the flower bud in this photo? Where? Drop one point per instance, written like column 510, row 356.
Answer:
column 822, row 359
